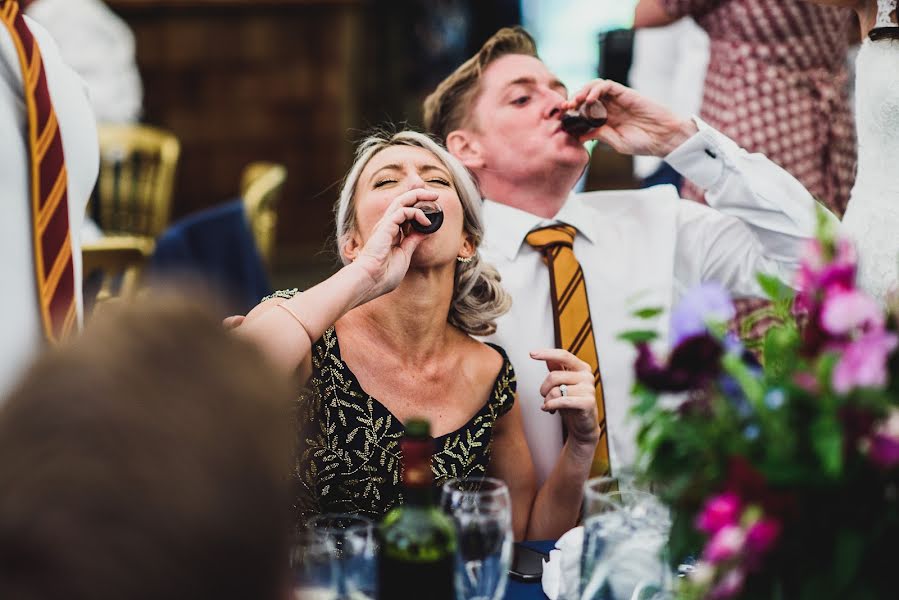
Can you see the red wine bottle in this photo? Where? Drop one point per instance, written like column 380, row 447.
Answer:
column 417, row 540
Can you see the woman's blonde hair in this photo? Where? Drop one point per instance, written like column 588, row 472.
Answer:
column 478, row 297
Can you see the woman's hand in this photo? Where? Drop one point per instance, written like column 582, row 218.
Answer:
column 578, row 405
column 635, row 125
column 386, row 255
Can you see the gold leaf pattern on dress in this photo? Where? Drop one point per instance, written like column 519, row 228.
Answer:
column 349, row 455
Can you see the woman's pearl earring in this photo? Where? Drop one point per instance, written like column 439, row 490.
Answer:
column 466, row 259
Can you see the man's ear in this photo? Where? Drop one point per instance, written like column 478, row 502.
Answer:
column 462, row 144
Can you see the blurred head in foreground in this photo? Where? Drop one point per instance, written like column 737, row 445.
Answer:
column 145, row 460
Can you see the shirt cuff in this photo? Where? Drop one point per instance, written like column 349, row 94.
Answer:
column 703, row 159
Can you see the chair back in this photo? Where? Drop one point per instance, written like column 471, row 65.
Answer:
column 137, row 173
column 261, row 187
column 112, row 266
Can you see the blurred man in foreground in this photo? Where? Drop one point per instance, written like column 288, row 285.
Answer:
column 146, row 460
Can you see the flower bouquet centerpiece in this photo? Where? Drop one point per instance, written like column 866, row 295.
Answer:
column 781, row 471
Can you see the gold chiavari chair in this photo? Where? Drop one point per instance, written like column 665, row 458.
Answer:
column 261, row 187
column 137, row 173
column 117, row 262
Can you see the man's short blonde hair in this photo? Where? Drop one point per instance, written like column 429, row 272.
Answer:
column 449, row 106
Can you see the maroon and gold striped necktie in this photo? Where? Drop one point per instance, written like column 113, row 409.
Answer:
column 571, row 316
column 54, row 269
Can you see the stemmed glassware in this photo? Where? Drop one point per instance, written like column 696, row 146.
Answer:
column 335, row 558
column 481, row 508
column 625, row 532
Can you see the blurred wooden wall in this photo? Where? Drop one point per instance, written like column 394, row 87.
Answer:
column 245, row 80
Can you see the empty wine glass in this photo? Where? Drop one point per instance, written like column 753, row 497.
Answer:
column 482, row 511
column 335, row 558
column 625, row 533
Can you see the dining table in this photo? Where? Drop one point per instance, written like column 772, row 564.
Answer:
column 518, row 590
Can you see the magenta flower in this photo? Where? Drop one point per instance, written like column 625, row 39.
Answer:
column 863, row 362
column 724, row 545
column 846, row 311
column 729, row 586
column 719, row 512
column 762, row 535
column 819, row 276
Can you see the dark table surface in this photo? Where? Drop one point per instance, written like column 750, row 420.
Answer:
column 517, row 590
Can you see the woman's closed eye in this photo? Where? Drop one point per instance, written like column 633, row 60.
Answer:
column 383, row 182
column 521, row 100
column 439, row 181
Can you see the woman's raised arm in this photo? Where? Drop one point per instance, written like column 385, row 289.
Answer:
column 285, row 329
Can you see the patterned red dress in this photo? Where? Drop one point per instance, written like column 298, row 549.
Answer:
column 776, row 84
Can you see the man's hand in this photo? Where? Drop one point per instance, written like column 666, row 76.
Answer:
column 636, row 125
column 578, row 405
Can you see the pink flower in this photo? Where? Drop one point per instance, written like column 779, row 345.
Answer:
column 817, row 275
column 863, row 363
column 884, row 444
column 762, row 535
column 719, row 512
column 729, row 586
column 724, row 545
column 847, row 311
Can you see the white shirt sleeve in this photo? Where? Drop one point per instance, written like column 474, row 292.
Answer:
column 100, row 47
column 757, row 216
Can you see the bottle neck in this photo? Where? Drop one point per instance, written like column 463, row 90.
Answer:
column 418, row 480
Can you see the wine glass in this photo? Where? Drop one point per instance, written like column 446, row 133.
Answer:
column 336, row 558
column 482, row 512
column 625, row 533
column 312, row 567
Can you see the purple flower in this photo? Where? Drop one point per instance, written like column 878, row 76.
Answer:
column 729, row 586
column 884, row 444
column 762, row 535
column 724, row 545
column 709, row 302
column 846, row 311
column 863, row 362
column 719, row 512
column 692, row 364
column 884, row 451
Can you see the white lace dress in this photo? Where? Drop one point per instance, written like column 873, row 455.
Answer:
column 872, row 218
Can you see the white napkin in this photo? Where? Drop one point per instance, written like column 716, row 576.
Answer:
column 636, row 567
column 562, row 573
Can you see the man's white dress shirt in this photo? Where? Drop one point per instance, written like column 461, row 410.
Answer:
column 640, row 249
column 21, row 333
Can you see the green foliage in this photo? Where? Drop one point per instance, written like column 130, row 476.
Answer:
column 639, row 336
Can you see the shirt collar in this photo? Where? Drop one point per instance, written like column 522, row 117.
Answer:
column 506, row 226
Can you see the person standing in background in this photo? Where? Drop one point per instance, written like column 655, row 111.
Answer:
column 49, row 159
column 776, row 84
column 669, row 65
column 99, row 46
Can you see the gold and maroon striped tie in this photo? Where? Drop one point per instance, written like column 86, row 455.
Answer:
column 571, row 316
column 54, row 269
